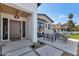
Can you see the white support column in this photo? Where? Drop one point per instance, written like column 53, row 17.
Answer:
column 8, row 29
column 34, row 28
column 1, row 29
column 21, row 29
column 0, row 26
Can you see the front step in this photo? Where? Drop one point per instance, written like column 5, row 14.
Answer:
column 19, row 52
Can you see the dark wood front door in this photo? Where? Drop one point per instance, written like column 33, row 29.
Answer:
column 15, row 30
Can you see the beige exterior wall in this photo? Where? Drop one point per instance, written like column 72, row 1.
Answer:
column 46, row 30
column 0, row 26
column 44, row 18
column 28, row 26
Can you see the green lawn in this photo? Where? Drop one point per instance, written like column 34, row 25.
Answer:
column 74, row 36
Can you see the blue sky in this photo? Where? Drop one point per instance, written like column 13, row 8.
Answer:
column 59, row 12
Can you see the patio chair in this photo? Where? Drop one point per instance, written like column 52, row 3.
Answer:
column 62, row 37
column 45, row 36
column 48, row 37
column 55, row 35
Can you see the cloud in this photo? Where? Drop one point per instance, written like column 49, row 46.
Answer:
column 59, row 18
column 62, row 16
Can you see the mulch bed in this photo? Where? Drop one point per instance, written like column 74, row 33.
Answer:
column 38, row 45
column 66, row 54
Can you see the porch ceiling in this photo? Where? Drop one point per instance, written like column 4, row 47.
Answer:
column 13, row 11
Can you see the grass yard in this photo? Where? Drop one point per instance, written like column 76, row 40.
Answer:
column 74, row 36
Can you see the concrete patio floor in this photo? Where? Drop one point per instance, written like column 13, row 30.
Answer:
column 22, row 48
column 58, row 48
column 49, row 51
column 69, row 47
column 16, row 45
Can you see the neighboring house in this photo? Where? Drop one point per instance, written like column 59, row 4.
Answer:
column 64, row 28
column 18, row 21
column 44, row 25
column 60, row 27
column 57, row 27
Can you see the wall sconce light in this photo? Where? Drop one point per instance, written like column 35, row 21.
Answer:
column 16, row 14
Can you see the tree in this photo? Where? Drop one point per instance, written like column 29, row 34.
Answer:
column 70, row 16
column 77, row 27
column 71, row 24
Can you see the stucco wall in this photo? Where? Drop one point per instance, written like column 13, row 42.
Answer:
column 0, row 26
column 29, row 27
column 44, row 18
column 46, row 30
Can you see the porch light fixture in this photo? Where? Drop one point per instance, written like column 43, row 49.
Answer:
column 16, row 15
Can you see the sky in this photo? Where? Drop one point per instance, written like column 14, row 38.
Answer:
column 59, row 12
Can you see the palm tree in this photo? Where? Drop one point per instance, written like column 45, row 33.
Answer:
column 70, row 16
column 71, row 25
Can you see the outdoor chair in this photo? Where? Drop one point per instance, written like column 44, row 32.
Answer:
column 55, row 35
column 45, row 36
column 62, row 37
column 48, row 37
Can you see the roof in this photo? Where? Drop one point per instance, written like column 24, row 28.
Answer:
column 38, row 4
column 47, row 17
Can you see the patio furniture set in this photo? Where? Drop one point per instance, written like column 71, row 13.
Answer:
column 54, row 37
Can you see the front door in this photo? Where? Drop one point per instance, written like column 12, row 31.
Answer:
column 15, row 30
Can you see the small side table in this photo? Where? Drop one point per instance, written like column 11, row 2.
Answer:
column 1, row 45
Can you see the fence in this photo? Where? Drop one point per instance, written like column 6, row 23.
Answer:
column 70, row 32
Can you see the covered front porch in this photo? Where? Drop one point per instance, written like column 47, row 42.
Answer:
column 15, row 24
column 16, row 28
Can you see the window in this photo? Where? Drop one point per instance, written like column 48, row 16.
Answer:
column 40, row 29
column 23, row 25
column 5, row 28
column 45, row 25
column 49, row 26
column 40, row 25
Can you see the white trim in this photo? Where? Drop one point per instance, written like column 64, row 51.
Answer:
column 1, row 29
column 21, row 29
column 8, row 29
